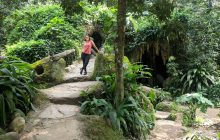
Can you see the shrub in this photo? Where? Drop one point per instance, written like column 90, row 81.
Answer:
column 59, row 35
column 193, row 101
column 213, row 93
column 16, row 90
column 135, row 115
column 21, row 24
column 29, row 51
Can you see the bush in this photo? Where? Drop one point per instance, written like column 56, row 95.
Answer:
column 16, row 90
column 135, row 115
column 41, row 32
column 29, row 51
column 213, row 93
column 21, row 24
column 59, row 35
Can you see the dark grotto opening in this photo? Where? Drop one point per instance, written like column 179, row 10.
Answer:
column 97, row 38
column 158, row 69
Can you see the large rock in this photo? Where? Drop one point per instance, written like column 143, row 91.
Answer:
column 49, row 70
column 52, row 68
column 10, row 136
column 17, row 124
column 105, row 65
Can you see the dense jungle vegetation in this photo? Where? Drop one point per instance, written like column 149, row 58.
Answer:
column 172, row 45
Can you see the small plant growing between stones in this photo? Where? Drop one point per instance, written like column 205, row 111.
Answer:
column 194, row 101
column 172, row 116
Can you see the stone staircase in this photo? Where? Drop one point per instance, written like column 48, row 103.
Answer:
column 60, row 118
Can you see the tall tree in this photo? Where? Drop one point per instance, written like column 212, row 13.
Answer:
column 119, row 50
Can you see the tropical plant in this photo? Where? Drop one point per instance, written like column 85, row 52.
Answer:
column 196, row 79
column 16, row 90
column 135, row 115
column 193, row 101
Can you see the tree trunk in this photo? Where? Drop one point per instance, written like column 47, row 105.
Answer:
column 119, row 51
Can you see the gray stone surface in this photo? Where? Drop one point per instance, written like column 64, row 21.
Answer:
column 68, row 93
column 62, row 129
column 54, row 111
column 72, row 72
column 160, row 115
column 167, row 130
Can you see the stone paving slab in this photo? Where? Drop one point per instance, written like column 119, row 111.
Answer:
column 160, row 115
column 167, row 130
column 54, row 111
column 64, row 129
column 68, row 93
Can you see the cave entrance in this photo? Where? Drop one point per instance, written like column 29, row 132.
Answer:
column 159, row 73
column 97, row 39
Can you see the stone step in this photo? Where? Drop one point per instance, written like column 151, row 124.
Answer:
column 160, row 115
column 79, row 78
column 56, row 111
column 68, row 93
column 167, row 130
column 61, row 129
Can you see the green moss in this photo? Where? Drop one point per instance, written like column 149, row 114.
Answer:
column 96, row 128
column 40, row 100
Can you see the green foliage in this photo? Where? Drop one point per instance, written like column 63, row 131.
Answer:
column 70, row 7
column 213, row 93
column 29, row 51
column 162, row 9
column 218, row 135
column 135, row 115
column 196, row 79
column 37, row 31
column 197, row 62
column 193, row 101
column 21, row 24
column 59, row 35
column 16, row 91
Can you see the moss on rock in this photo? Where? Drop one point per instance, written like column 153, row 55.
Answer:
column 49, row 70
column 96, row 128
column 166, row 106
column 105, row 65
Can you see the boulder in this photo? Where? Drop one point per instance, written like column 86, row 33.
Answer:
column 166, row 106
column 17, row 124
column 105, row 65
column 52, row 68
column 10, row 136
column 49, row 70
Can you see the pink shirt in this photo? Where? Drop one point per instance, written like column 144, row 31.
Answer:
column 87, row 47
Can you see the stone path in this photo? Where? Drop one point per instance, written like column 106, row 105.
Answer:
column 72, row 71
column 59, row 119
column 173, row 130
column 166, row 129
